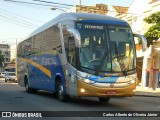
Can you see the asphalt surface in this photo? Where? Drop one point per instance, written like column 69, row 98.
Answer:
column 14, row 98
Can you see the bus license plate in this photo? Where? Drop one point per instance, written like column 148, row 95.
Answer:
column 111, row 92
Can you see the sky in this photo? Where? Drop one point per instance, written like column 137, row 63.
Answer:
column 18, row 18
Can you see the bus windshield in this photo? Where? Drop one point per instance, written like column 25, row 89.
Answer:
column 106, row 48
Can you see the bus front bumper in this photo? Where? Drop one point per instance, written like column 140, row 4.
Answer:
column 87, row 90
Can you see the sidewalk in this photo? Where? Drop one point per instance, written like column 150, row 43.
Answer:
column 147, row 92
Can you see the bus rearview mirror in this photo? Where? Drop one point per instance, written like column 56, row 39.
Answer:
column 144, row 41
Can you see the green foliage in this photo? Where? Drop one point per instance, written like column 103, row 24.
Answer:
column 154, row 31
column 153, row 18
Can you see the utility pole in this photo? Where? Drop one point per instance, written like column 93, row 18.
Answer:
column 79, row 5
column 79, row 2
column 16, row 59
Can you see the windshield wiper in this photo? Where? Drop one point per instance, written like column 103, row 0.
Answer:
column 101, row 63
column 120, row 61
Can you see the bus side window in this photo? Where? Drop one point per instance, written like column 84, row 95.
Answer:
column 72, row 48
column 69, row 45
column 66, row 34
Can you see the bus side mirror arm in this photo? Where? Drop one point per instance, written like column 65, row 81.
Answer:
column 76, row 37
column 58, row 49
column 144, row 41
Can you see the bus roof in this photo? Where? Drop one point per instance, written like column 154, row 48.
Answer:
column 78, row 16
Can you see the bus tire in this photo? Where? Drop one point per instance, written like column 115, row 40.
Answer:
column 61, row 96
column 28, row 89
column 104, row 99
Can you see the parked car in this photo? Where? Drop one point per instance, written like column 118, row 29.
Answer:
column 10, row 76
column 3, row 74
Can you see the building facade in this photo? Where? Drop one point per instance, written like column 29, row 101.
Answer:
column 6, row 52
column 137, row 12
column 97, row 9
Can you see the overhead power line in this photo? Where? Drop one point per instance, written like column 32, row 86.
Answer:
column 35, row 4
column 15, row 23
column 25, row 2
column 53, row 3
column 20, row 15
column 19, row 20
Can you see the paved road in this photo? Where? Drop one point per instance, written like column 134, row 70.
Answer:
column 14, row 98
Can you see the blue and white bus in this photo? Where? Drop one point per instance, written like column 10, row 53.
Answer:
column 80, row 54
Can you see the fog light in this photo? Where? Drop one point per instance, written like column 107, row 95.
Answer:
column 82, row 90
column 134, row 90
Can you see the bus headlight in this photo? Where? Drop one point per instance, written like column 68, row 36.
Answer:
column 87, row 81
column 131, row 82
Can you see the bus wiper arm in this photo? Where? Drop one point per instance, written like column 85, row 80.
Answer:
column 101, row 63
column 119, row 59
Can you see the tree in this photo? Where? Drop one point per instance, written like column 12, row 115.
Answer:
column 154, row 31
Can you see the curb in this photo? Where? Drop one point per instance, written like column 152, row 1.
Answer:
column 147, row 94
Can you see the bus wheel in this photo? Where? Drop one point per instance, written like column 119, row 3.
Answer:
column 104, row 99
column 62, row 97
column 28, row 89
